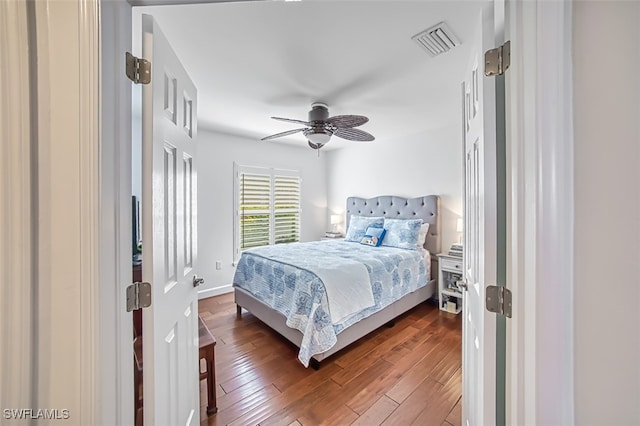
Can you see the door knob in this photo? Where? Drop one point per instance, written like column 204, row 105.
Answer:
column 197, row 280
column 462, row 284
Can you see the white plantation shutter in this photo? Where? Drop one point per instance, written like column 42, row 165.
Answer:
column 255, row 210
column 268, row 207
column 286, row 203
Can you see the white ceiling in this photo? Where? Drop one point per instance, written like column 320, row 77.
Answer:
column 254, row 60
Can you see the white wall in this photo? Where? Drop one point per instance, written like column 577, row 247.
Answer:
column 607, row 206
column 423, row 164
column 216, row 154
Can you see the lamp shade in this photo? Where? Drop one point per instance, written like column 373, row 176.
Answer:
column 335, row 219
column 459, row 225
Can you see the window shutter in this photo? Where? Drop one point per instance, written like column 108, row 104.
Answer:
column 286, row 202
column 268, row 207
column 255, row 201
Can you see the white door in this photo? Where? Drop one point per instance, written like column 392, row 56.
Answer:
column 170, row 324
column 479, row 325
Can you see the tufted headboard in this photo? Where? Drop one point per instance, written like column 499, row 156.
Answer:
column 426, row 208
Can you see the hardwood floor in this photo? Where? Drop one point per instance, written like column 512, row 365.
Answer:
column 406, row 374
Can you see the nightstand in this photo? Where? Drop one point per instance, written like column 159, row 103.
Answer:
column 449, row 273
column 335, row 237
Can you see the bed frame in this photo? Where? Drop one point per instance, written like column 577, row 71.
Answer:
column 425, row 208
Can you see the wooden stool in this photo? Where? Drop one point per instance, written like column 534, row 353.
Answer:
column 207, row 345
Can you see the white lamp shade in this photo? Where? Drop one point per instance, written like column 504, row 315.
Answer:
column 335, row 219
column 459, row 225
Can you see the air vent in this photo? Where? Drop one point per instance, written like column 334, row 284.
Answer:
column 437, row 39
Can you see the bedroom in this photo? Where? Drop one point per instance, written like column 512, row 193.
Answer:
column 411, row 99
column 71, row 32
column 422, row 117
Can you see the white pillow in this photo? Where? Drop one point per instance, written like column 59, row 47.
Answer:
column 422, row 236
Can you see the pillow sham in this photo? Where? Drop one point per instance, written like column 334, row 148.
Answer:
column 373, row 236
column 402, row 233
column 358, row 226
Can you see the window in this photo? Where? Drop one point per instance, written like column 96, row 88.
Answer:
column 267, row 207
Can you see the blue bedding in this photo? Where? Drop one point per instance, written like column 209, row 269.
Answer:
column 290, row 286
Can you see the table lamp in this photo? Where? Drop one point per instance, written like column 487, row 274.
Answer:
column 336, row 219
column 459, row 229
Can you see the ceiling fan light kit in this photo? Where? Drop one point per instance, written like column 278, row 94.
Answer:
column 318, row 136
column 320, row 127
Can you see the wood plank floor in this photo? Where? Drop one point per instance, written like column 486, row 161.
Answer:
column 406, row 374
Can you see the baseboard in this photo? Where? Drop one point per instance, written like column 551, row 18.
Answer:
column 216, row 291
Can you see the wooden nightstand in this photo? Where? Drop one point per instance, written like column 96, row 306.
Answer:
column 449, row 273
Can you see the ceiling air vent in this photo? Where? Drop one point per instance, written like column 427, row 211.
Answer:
column 437, row 39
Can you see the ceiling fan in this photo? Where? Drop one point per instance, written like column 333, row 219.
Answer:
column 321, row 127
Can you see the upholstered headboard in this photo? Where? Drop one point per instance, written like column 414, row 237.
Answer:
column 426, row 208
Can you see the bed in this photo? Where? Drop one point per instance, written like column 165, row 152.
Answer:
column 284, row 285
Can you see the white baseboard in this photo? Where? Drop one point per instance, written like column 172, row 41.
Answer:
column 216, row 291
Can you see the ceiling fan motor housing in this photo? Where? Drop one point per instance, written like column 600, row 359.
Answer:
column 319, row 112
column 320, row 131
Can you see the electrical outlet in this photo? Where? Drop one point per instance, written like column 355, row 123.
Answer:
column 218, row 265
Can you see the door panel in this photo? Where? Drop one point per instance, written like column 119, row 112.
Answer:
column 480, row 224
column 171, row 390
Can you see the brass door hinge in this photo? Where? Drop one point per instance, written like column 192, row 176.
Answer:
column 137, row 69
column 498, row 300
column 498, row 60
column 138, row 296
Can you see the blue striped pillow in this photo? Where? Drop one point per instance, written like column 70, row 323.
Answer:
column 373, row 236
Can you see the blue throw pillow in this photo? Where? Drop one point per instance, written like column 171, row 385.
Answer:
column 373, row 236
column 402, row 233
column 358, row 226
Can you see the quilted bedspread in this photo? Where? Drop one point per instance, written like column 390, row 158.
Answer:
column 290, row 286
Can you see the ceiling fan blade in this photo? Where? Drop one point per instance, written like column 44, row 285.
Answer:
column 279, row 135
column 291, row 120
column 347, row 120
column 354, row 135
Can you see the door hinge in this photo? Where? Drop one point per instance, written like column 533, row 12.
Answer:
column 498, row 300
column 498, row 60
column 137, row 69
column 138, row 296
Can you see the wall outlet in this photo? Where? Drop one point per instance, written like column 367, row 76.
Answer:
column 218, row 265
